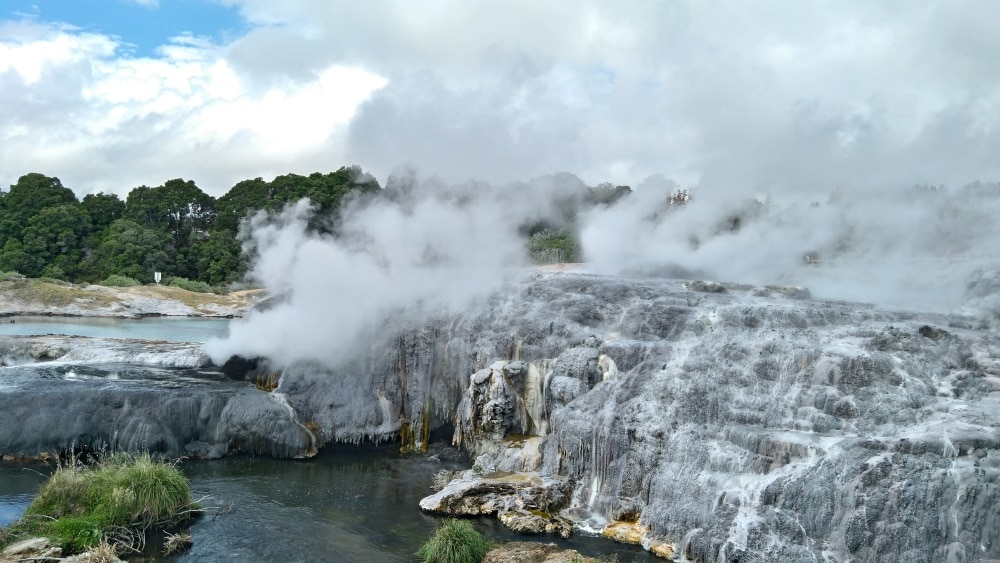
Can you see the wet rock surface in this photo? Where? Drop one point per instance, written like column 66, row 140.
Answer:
column 533, row 552
column 734, row 422
column 730, row 422
column 524, row 502
column 19, row 350
column 59, row 393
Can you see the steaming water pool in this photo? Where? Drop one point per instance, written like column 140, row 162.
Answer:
column 350, row 504
column 171, row 329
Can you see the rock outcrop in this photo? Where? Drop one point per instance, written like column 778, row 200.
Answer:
column 524, row 502
column 731, row 422
column 42, row 550
column 156, row 397
column 533, row 552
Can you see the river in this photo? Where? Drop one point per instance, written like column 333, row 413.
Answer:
column 349, row 503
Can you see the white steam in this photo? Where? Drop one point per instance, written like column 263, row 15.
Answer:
column 908, row 247
column 423, row 248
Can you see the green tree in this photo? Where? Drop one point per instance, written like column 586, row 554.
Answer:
column 54, row 238
column 130, row 249
column 13, row 258
column 178, row 207
column 103, row 209
column 220, row 260
column 32, row 193
column 326, row 191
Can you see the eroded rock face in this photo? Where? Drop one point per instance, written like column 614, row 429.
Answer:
column 744, row 424
column 54, row 408
column 524, row 502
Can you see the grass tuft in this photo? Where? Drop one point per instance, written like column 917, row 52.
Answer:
column 456, row 541
column 79, row 506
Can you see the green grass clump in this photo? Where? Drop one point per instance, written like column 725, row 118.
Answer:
column 116, row 280
column 456, row 541
column 191, row 285
column 81, row 505
column 4, row 276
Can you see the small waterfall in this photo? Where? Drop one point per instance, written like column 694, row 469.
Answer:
column 536, row 380
column 128, row 352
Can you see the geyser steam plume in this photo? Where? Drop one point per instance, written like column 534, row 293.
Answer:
column 419, row 248
column 910, row 247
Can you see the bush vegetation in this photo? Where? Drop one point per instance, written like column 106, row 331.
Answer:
column 456, row 541
column 115, row 280
column 549, row 247
column 190, row 285
column 118, row 497
column 5, row 276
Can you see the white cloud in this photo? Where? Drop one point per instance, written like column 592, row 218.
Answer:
column 737, row 96
column 103, row 121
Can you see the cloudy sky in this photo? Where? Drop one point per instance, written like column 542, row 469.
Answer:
column 720, row 94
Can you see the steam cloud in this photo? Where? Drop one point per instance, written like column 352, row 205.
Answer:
column 424, row 248
column 427, row 247
column 906, row 247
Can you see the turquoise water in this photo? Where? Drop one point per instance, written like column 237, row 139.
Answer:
column 171, row 329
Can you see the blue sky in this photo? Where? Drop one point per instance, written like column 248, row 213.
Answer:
column 142, row 27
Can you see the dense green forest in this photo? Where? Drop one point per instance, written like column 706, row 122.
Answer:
column 176, row 228
column 186, row 234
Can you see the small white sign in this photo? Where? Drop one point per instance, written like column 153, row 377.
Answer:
column 156, row 276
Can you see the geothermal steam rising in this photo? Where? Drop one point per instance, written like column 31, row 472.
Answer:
column 907, row 248
column 405, row 257
column 428, row 247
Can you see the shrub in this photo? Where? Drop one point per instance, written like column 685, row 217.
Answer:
column 115, row 280
column 79, row 506
column 547, row 247
column 4, row 276
column 191, row 285
column 456, row 541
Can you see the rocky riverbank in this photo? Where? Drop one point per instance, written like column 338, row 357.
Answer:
column 20, row 296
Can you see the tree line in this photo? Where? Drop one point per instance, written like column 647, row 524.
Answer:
column 176, row 228
column 179, row 230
